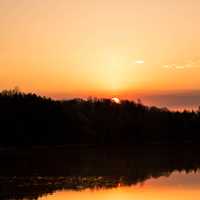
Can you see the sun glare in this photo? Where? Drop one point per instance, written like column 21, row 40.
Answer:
column 116, row 100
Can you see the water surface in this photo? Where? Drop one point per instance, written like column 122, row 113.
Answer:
column 178, row 186
column 150, row 172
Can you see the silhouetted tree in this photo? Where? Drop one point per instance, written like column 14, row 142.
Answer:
column 28, row 119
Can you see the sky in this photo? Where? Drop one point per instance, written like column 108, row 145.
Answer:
column 104, row 48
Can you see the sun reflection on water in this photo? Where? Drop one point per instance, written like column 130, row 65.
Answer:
column 178, row 186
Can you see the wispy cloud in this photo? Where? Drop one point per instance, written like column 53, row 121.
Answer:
column 140, row 62
column 186, row 65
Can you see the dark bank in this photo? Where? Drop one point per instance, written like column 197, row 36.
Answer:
column 31, row 120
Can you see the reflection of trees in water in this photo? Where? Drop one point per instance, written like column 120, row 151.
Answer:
column 41, row 171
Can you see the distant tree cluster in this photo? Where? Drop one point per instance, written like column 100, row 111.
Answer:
column 28, row 119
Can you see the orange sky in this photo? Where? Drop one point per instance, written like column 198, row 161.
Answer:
column 70, row 48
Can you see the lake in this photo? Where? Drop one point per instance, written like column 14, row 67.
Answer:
column 148, row 172
column 178, row 186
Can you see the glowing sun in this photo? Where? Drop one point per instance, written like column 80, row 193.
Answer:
column 116, row 100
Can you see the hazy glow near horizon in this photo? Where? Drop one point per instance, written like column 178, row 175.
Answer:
column 99, row 48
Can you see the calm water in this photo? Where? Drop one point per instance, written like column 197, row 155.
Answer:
column 178, row 186
column 138, row 173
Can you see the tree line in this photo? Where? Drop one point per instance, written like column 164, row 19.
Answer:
column 29, row 119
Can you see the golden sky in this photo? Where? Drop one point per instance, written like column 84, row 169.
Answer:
column 67, row 48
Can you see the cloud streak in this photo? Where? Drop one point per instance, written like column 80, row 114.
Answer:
column 140, row 62
column 187, row 65
column 175, row 100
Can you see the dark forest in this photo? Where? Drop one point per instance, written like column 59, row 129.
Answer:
column 28, row 119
